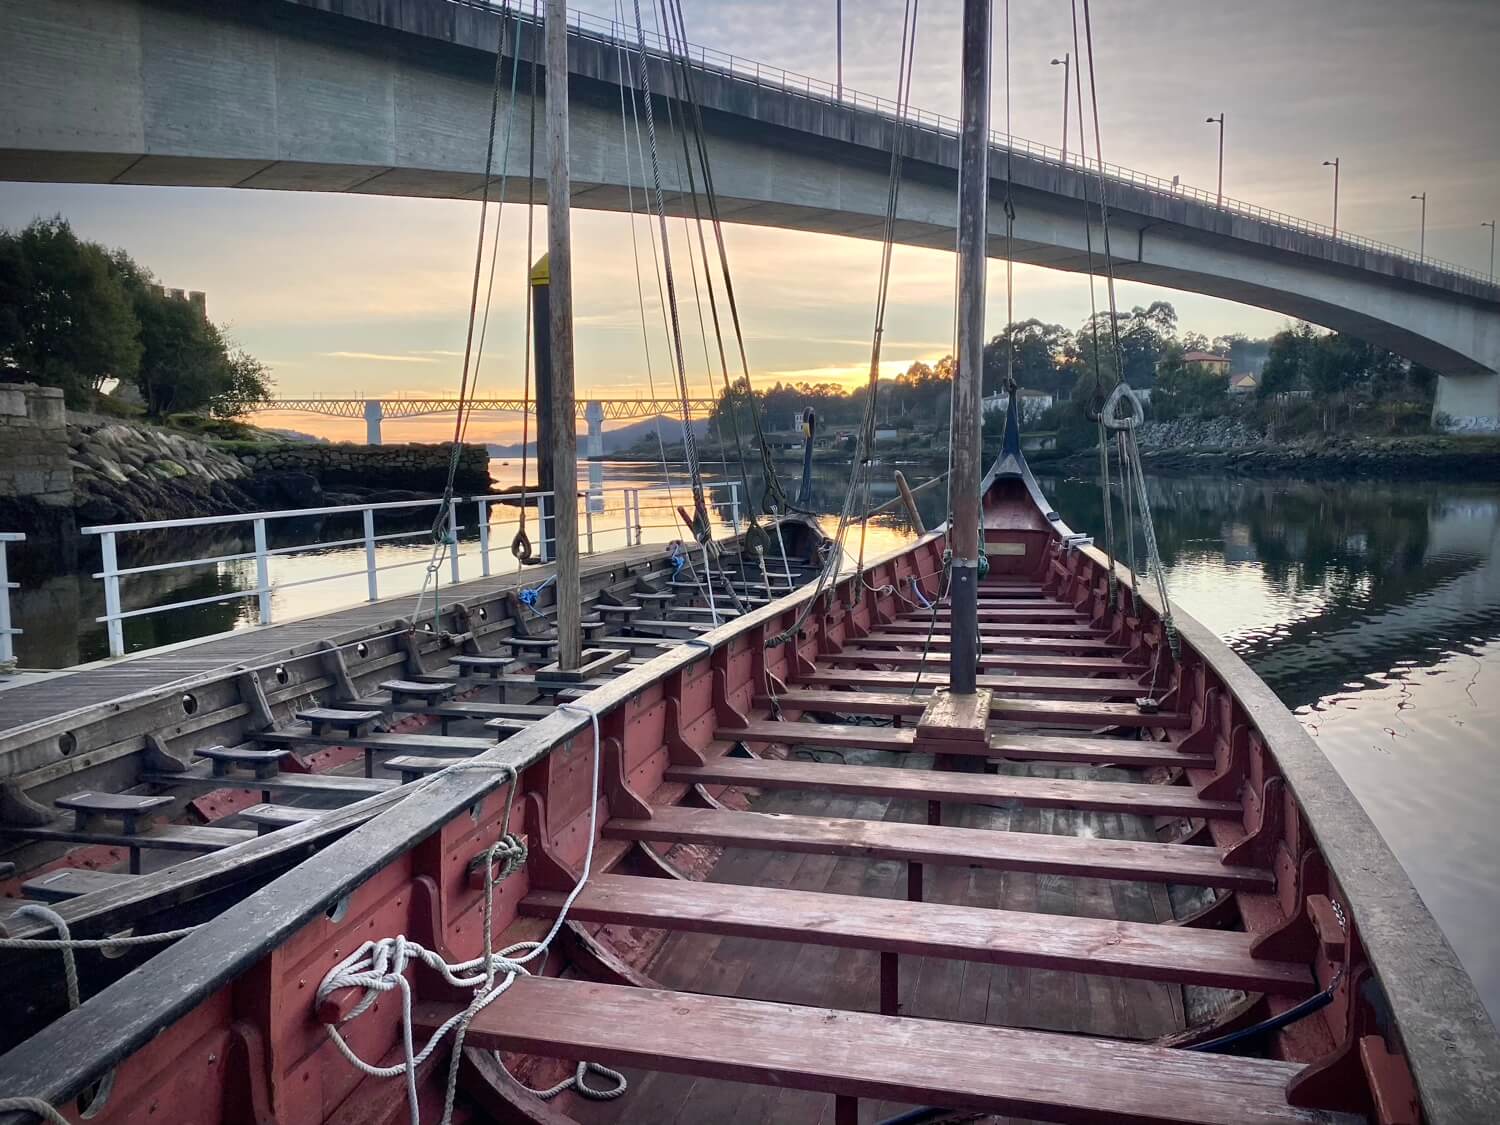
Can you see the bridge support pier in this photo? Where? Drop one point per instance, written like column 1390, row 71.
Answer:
column 1467, row 404
column 374, row 415
column 593, row 414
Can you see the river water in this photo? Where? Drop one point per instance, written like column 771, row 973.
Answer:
column 1372, row 609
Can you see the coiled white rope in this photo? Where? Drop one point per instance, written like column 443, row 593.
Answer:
column 380, row 966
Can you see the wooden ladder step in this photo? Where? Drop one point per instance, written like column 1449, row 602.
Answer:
column 268, row 818
column 944, row 785
column 1138, row 950
column 90, row 806
column 1036, row 852
column 867, row 1055
column 70, row 882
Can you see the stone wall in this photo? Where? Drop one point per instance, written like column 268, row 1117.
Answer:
column 411, row 467
column 34, row 463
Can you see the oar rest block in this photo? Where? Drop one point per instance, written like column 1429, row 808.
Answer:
column 268, row 818
column 411, row 767
column 322, row 719
column 262, row 763
column 535, row 645
column 135, row 812
column 491, row 666
column 625, row 610
column 415, row 691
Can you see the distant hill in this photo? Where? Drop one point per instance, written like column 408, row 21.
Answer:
column 621, row 438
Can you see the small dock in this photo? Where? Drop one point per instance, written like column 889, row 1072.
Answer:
column 109, row 681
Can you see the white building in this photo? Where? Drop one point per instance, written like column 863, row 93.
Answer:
column 1033, row 404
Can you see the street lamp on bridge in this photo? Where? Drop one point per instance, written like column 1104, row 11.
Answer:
column 1422, row 241
column 1491, row 225
column 1334, row 164
column 1219, row 121
column 1064, row 63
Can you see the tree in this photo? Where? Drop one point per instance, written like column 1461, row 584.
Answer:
column 65, row 317
column 1041, row 359
column 1288, row 360
column 1189, row 389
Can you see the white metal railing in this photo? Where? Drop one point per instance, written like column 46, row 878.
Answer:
column 7, row 631
column 602, row 525
column 786, row 81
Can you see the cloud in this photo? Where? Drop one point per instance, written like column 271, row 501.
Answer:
column 381, row 358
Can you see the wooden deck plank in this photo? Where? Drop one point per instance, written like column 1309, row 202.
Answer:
column 945, row 785
column 921, row 843
column 1213, row 958
column 860, row 1054
column 899, row 654
column 1058, row 687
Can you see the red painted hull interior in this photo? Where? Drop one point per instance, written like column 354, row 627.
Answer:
column 810, row 900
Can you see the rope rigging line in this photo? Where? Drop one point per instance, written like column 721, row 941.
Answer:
column 689, row 444
column 444, row 533
column 520, row 545
column 379, row 965
column 864, row 443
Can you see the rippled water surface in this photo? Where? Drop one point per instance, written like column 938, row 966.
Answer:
column 1373, row 610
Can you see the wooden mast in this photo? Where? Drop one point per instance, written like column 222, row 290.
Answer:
column 560, row 285
column 973, row 230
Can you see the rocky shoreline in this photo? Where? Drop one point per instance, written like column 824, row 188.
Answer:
column 1426, row 457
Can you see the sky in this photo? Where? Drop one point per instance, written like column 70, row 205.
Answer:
column 356, row 295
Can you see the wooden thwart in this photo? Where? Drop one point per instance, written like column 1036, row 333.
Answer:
column 1142, row 950
column 1060, row 712
column 944, row 785
column 859, row 1054
column 924, row 843
column 1058, row 687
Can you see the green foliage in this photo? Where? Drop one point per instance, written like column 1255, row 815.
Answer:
column 65, row 317
column 73, row 315
column 1070, row 421
column 1044, row 358
column 1189, row 388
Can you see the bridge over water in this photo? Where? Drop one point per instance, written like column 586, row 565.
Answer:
column 349, row 96
column 595, row 411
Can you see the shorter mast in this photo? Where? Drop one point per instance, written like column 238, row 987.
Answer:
column 560, row 295
column 973, row 232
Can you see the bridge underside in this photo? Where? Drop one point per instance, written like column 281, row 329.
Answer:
column 285, row 98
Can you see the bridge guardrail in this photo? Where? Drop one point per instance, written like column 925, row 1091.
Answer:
column 773, row 77
column 602, row 526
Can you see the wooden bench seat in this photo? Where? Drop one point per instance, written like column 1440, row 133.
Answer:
column 1038, row 852
column 943, row 785
column 268, row 818
column 657, row 596
column 133, row 812
column 624, row 609
column 987, row 628
column 70, row 882
column 339, row 718
column 492, row 666
column 402, row 690
column 261, row 763
column 1056, row 712
column 411, row 767
column 200, row 779
column 1057, row 687
column 166, row 837
column 935, row 662
column 405, row 743
column 990, row 640
column 1028, row 1074
column 1139, row 950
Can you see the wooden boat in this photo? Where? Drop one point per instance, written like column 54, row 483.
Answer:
column 1044, row 911
column 1115, row 882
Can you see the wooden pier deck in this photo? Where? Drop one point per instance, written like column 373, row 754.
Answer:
column 107, row 681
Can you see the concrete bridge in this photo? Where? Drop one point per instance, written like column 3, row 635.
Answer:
column 348, row 96
column 595, row 411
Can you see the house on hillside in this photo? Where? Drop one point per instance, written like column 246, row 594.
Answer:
column 1031, row 405
column 1245, row 383
column 1207, row 362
